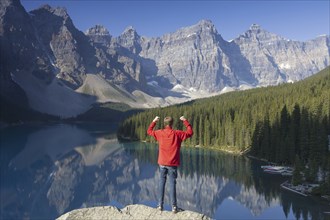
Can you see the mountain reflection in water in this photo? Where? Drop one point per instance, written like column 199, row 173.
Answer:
column 49, row 170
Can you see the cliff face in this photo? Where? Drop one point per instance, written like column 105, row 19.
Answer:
column 68, row 49
column 274, row 59
column 191, row 56
column 129, row 212
column 45, row 58
column 29, row 63
column 20, row 51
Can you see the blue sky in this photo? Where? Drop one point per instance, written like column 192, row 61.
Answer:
column 296, row 20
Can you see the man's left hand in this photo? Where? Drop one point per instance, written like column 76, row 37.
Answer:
column 156, row 119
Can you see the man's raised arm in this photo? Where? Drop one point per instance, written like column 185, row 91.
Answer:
column 150, row 130
column 189, row 131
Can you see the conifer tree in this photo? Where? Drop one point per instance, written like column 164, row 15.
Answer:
column 297, row 177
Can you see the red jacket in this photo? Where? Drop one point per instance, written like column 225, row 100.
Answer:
column 170, row 142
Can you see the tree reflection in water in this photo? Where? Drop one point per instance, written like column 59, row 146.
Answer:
column 62, row 167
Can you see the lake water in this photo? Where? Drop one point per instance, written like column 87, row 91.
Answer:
column 47, row 170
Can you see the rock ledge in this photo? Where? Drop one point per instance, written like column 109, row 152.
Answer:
column 129, row 212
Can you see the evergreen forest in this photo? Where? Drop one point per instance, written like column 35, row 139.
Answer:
column 283, row 124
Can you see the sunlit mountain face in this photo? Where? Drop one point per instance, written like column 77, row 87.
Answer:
column 52, row 67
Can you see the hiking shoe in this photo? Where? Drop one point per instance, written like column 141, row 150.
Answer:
column 160, row 208
column 176, row 209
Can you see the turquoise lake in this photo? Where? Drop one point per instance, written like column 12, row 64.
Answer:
column 47, row 170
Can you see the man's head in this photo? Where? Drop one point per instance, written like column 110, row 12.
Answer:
column 168, row 121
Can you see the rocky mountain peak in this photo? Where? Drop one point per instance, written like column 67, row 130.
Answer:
column 12, row 11
column 255, row 27
column 257, row 33
column 204, row 29
column 323, row 37
column 205, row 22
column 130, row 39
column 130, row 33
column 6, row 3
column 205, row 26
column 46, row 12
column 59, row 11
column 45, row 7
column 99, row 34
column 98, row 30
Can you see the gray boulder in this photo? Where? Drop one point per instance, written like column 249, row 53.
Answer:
column 129, row 212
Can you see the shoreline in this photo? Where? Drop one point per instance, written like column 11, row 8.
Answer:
column 228, row 150
column 288, row 186
column 304, row 189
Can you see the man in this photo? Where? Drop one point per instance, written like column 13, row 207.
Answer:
column 169, row 141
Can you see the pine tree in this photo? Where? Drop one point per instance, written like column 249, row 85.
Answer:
column 201, row 131
column 297, row 177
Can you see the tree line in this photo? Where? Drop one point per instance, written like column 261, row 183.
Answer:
column 276, row 123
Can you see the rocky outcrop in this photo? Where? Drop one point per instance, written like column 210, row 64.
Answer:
column 129, row 212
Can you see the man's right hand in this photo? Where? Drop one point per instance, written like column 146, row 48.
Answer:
column 182, row 118
column 156, row 119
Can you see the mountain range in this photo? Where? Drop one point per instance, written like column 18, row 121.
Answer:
column 48, row 65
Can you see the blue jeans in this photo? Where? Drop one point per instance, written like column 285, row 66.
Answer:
column 172, row 173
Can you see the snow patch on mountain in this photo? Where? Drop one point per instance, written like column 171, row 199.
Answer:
column 227, row 89
column 153, row 83
column 284, row 66
column 189, row 35
column 179, row 87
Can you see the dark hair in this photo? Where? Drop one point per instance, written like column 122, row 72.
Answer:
column 168, row 121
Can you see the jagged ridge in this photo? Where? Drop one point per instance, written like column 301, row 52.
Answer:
column 48, row 58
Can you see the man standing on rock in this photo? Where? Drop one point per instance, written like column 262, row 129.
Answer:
column 169, row 141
